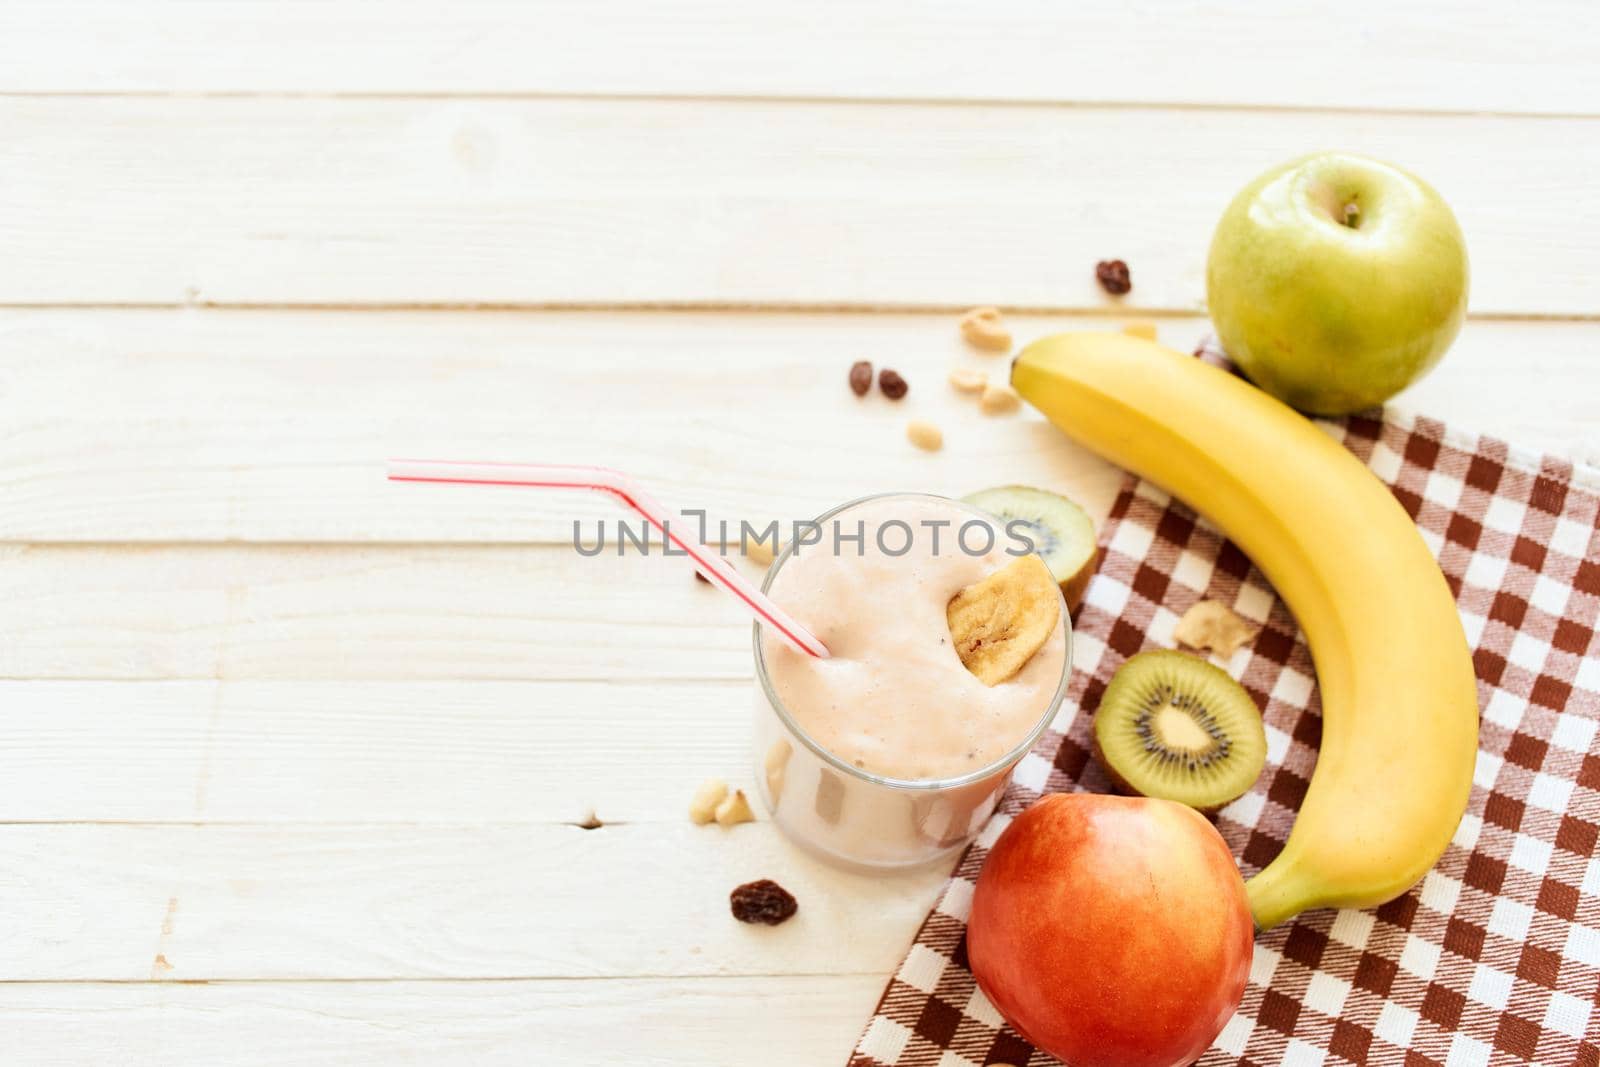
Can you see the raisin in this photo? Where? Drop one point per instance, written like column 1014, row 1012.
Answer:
column 764, row 902
column 1113, row 276
column 893, row 386
column 860, row 378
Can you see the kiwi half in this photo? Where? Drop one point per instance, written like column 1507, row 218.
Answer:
column 1062, row 532
column 1173, row 726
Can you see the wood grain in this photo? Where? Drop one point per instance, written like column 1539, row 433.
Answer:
column 228, row 611
column 602, row 202
column 776, row 1020
column 381, row 752
column 288, row 756
column 1367, row 54
column 135, row 903
column 271, row 426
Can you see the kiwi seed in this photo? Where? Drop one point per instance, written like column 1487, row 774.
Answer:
column 1171, row 725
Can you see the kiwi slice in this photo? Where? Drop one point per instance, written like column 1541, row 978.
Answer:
column 1173, row 726
column 1061, row 531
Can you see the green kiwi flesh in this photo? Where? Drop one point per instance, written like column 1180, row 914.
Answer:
column 1062, row 532
column 1173, row 726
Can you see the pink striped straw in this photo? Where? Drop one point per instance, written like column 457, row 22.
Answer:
column 605, row 480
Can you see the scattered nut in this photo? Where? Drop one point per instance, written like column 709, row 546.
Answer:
column 999, row 400
column 703, row 808
column 860, row 377
column 760, row 553
column 983, row 329
column 966, row 380
column 734, row 810
column 891, row 384
column 764, row 902
column 1212, row 625
column 829, row 803
column 1113, row 276
column 777, row 762
column 1147, row 330
column 925, row 435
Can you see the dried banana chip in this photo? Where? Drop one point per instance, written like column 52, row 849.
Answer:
column 1000, row 622
column 1211, row 625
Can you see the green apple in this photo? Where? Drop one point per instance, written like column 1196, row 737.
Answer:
column 1335, row 281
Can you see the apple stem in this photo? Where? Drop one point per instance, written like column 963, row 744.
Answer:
column 1352, row 215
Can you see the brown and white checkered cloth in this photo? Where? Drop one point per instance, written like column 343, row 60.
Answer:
column 1495, row 957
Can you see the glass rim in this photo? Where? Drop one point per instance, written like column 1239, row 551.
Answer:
column 1004, row 762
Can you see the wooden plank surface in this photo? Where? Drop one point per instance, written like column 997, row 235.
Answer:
column 775, row 1020
column 289, row 758
column 1429, row 55
column 272, row 426
column 94, row 902
column 368, row 752
column 603, row 202
column 419, row 612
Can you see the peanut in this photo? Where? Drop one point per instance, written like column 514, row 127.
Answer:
column 983, row 329
column 925, row 435
column 703, row 808
column 734, row 810
column 1147, row 330
column 999, row 400
column 776, row 763
column 966, row 380
column 759, row 552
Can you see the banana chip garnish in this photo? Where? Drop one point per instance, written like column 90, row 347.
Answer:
column 999, row 623
column 1211, row 626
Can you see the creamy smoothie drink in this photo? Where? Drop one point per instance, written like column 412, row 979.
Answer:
column 891, row 752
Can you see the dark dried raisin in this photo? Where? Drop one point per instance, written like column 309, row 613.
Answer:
column 860, row 378
column 893, row 386
column 1113, row 276
column 764, row 902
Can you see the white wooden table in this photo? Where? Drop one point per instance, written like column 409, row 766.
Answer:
column 290, row 759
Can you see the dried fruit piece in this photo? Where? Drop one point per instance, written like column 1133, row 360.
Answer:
column 734, row 810
column 1213, row 626
column 1147, row 330
column 999, row 400
column 1113, row 276
column 764, row 902
column 703, row 808
column 891, row 384
column 860, row 377
column 999, row 623
column 967, row 380
column 925, row 435
column 983, row 328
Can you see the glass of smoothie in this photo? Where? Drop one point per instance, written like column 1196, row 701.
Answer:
column 890, row 753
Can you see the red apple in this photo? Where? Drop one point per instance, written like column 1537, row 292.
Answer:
column 1112, row 931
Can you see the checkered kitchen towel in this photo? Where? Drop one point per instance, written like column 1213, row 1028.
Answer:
column 1495, row 957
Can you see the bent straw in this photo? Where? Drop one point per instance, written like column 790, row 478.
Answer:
column 605, row 480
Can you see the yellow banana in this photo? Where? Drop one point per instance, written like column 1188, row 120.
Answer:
column 1399, row 699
